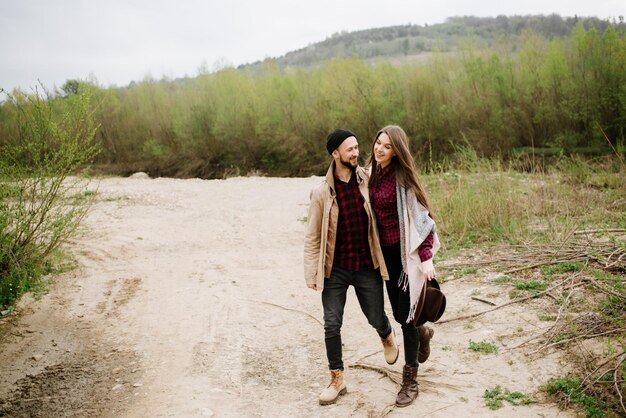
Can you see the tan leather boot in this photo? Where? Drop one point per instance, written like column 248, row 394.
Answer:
column 390, row 347
column 425, row 335
column 409, row 390
column 336, row 388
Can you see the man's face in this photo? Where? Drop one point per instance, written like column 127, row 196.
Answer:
column 348, row 153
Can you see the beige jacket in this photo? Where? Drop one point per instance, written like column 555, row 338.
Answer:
column 319, row 243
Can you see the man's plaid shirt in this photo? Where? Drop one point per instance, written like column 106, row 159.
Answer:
column 352, row 250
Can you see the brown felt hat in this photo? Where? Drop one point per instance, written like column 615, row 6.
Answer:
column 431, row 305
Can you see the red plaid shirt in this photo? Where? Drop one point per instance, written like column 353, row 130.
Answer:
column 383, row 199
column 352, row 250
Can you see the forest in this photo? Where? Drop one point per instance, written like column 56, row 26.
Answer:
column 540, row 96
column 552, row 96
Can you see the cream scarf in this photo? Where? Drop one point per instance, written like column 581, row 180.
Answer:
column 415, row 225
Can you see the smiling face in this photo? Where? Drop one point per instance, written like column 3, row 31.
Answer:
column 348, row 153
column 383, row 151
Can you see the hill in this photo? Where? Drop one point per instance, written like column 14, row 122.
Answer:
column 410, row 40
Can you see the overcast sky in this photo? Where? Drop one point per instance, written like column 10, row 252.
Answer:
column 118, row 41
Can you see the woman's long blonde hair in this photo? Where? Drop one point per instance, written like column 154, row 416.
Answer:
column 406, row 171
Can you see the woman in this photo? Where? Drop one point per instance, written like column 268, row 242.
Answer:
column 408, row 240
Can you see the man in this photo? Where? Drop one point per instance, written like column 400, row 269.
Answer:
column 342, row 249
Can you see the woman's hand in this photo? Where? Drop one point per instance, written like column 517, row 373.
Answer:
column 428, row 270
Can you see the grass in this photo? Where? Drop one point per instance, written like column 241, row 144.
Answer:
column 566, row 389
column 467, row 217
column 562, row 268
column 484, row 203
column 611, row 305
column 480, row 200
column 502, row 279
column 530, row 285
column 609, row 278
column 546, row 317
column 494, row 398
column 483, row 347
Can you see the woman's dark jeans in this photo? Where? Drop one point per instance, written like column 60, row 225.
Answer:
column 368, row 285
column 400, row 303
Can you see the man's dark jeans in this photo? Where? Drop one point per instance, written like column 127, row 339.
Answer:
column 368, row 285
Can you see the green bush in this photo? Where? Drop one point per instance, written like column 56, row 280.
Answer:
column 530, row 285
column 559, row 268
column 37, row 205
column 483, row 347
column 567, row 389
column 494, row 397
column 563, row 94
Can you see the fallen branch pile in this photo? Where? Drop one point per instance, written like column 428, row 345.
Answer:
column 608, row 255
column 589, row 297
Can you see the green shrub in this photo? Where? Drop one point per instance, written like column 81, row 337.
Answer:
column 502, row 279
column 494, row 397
column 560, row 95
column 483, row 347
column 530, row 285
column 567, row 389
column 37, row 208
column 546, row 317
column 562, row 268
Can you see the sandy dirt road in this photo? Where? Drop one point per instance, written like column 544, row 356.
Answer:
column 189, row 301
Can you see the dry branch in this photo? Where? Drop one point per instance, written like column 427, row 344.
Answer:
column 288, row 309
column 603, row 289
column 565, row 303
column 392, row 375
column 501, row 306
column 483, row 301
column 609, row 255
column 543, row 263
column 595, row 231
column 570, row 329
column 614, row 371
column 578, row 337
column 617, row 370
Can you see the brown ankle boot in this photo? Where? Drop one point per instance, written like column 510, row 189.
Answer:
column 409, row 390
column 425, row 335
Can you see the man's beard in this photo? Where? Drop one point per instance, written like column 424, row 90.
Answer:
column 348, row 164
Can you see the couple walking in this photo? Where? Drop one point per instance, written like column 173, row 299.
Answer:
column 366, row 228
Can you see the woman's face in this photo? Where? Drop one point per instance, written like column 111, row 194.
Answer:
column 383, row 153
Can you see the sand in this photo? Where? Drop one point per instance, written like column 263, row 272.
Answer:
column 188, row 299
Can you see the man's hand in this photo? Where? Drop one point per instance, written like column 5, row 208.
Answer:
column 312, row 286
column 428, row 270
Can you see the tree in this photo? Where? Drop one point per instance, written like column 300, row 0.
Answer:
column 40, row 206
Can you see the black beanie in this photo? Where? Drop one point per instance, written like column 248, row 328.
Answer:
column 335, row 138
